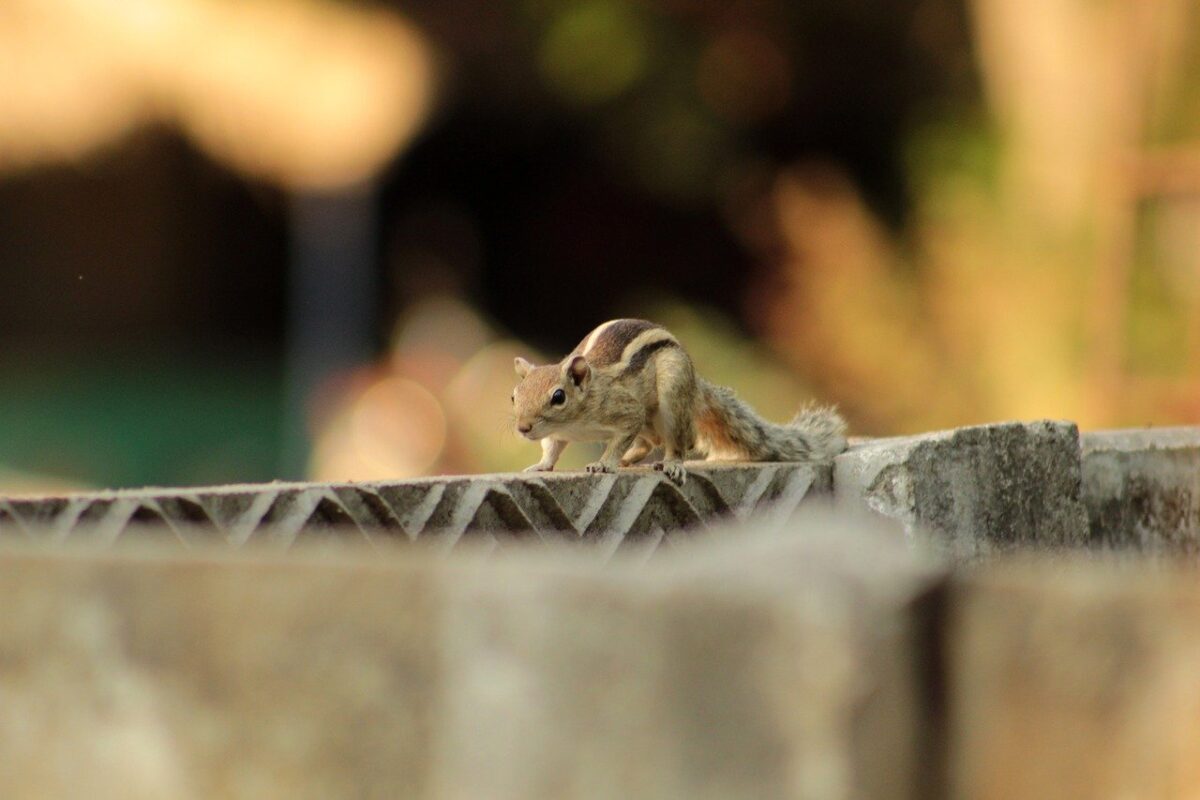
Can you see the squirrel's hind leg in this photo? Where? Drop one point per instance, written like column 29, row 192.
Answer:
column 610, row 459
column 676, row 379
column 641, row 448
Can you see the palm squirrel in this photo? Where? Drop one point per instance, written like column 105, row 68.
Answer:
column 631, row 384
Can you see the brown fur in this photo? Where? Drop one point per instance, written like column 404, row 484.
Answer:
column 629, row 383
column 608, row 347
column 710, row 430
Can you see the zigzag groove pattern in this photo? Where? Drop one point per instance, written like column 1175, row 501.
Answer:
column 636, row 511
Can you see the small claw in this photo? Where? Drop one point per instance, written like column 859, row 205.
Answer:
column 599, row 466
column 673, row 470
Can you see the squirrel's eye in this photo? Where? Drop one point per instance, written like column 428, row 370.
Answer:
column 514, row 398
column 558, row 398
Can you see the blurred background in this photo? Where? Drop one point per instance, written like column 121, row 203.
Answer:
column 253, row 239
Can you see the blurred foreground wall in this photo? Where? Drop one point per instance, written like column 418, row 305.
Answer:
column 935, row 616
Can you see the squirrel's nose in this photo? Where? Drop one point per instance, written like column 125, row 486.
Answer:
column 525, row 427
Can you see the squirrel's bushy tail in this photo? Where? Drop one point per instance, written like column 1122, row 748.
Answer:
column 727, row 429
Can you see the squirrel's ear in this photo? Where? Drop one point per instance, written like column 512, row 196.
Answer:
column 579, row 370
column 522, row 366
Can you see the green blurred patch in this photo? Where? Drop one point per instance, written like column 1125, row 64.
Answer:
column 947, row 150
column 1157, row 322
column 1174, row 99
column 677, row 151
column 136, row 420
column 594, row 51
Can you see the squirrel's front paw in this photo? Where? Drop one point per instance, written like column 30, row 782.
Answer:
column 673, row 470
column 599, row 466
column 539, row 467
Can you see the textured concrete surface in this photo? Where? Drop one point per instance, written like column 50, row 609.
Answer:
column 1074, row 680
column 973, row 492
column 780, row 667
column 1142, row 489
column 630, row 509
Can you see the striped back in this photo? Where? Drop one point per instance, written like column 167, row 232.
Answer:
column 623, row 345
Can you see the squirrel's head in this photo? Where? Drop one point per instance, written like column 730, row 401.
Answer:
column 549, row 397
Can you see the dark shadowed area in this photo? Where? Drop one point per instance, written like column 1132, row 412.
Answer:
column 288, row 239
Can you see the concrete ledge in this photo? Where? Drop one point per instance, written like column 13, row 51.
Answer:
column 1142, row 489
column 973, row 492
column 1074, row 679
column 605, row 509
column 789, row 667
column 970, row 492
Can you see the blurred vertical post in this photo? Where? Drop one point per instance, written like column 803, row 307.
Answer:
column 331, row 302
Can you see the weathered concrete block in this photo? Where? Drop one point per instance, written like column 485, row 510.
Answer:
column 784, row 667
column 1074, row 680
column 1142, row 488
column 772, row 669
column 150, row 677
column 973, row 492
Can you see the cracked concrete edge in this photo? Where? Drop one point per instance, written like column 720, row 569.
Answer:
column 973, row 492
column 1141, row 439
column 977, row 491
column 1142, row 489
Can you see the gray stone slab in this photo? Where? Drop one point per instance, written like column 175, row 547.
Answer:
column 612, row 511
column 1074, row 679
column 147, row 677
column 972, row 492
column 1142, row 489
column 786, row 666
